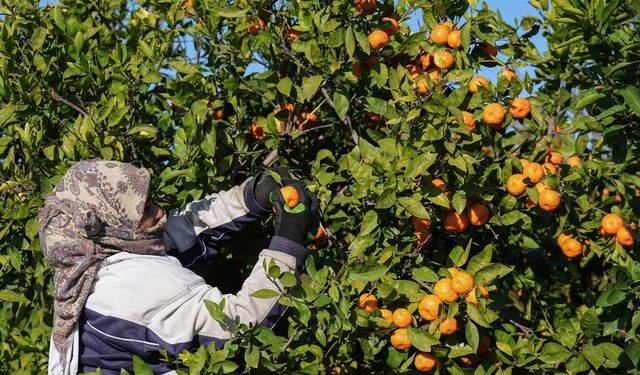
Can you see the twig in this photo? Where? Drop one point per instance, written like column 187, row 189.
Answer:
column 270, row 158
column 422, row 284
column 286, row 344
column 346, row 120
column 527, row 331
column 59, row 98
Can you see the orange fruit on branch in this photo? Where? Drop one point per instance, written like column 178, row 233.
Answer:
column 448, row 326
column 425, row 362
column 366, row 7
column 478, row 214
column 571, row 247
column 429, row 307
column 419, row 223
column 256, row 131
column 455, row 222
column 473, row 84
column 534, row 172
column 611, row 223
column 393, row 26
column 493, row 115
column 554, row 157
column 453, row 40
column 387, row 315
column 292, row 34
column 414, row 71
column 426, row 61
column 444, row 291
column 378, row 39
column 440, row 34
column 368, row 302
column 467, row 118
column 507, row 73
column 400, row 339
column 574, row 161
column 483, row 345
column 461, row 282
column 516, row 185
column 402, row 317
column 472, row 298
column 550, row 168
column 257, row 24
column 520, row 108
column 549, row 200
column 624, row 236
column 443, row 59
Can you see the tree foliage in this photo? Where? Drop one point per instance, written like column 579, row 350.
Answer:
column 205, row 93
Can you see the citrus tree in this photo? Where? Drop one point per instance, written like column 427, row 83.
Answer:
column 471, row 223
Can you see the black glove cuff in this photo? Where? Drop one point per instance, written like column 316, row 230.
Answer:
column 250, row 198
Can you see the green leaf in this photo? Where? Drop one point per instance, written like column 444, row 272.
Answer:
column 369, row 223
column 350, row 41
column 472, row 336
column 611, row 298
column 578, row 364
column 490, row 273
column 594, row 355
column 252, row 356
column 553, row 353
column 341, row 103
column 414, row 207
column 288, row 280
column 477, row 316
column 421, row 339
column 633, row 352
column 589, row 99
column 284, row 86
column 590, row 324
column 265, row 293
column 363, row 42
column 441, row 200
column 425, row 274
column 232, row 11
column 369, row 273
column 459, row 201
column 631, row 98
column 216, row 310
column 386, row 199
column 140, row 367
column 419, row 165
column 309, row 86
column 11, row 296
column 480, row 260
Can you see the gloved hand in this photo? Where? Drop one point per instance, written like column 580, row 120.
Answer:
column 295, row 223
column 266, row 184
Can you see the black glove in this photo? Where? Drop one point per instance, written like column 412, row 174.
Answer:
column 266, row 184
column 295, row 223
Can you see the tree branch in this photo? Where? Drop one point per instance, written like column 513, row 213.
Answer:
column 346, row 120
column 62, row 100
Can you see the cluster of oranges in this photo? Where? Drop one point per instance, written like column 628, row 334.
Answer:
column 613, row 225
column 476, row 214
column 445, row 291
column 304, row 121
column 494, row 113
column 533, row 172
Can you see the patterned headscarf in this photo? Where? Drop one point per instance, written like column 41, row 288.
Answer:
column 92, row 213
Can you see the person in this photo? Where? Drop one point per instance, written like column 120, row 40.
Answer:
column 123, row 268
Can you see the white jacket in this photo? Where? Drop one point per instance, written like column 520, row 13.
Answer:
column 141, row 304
